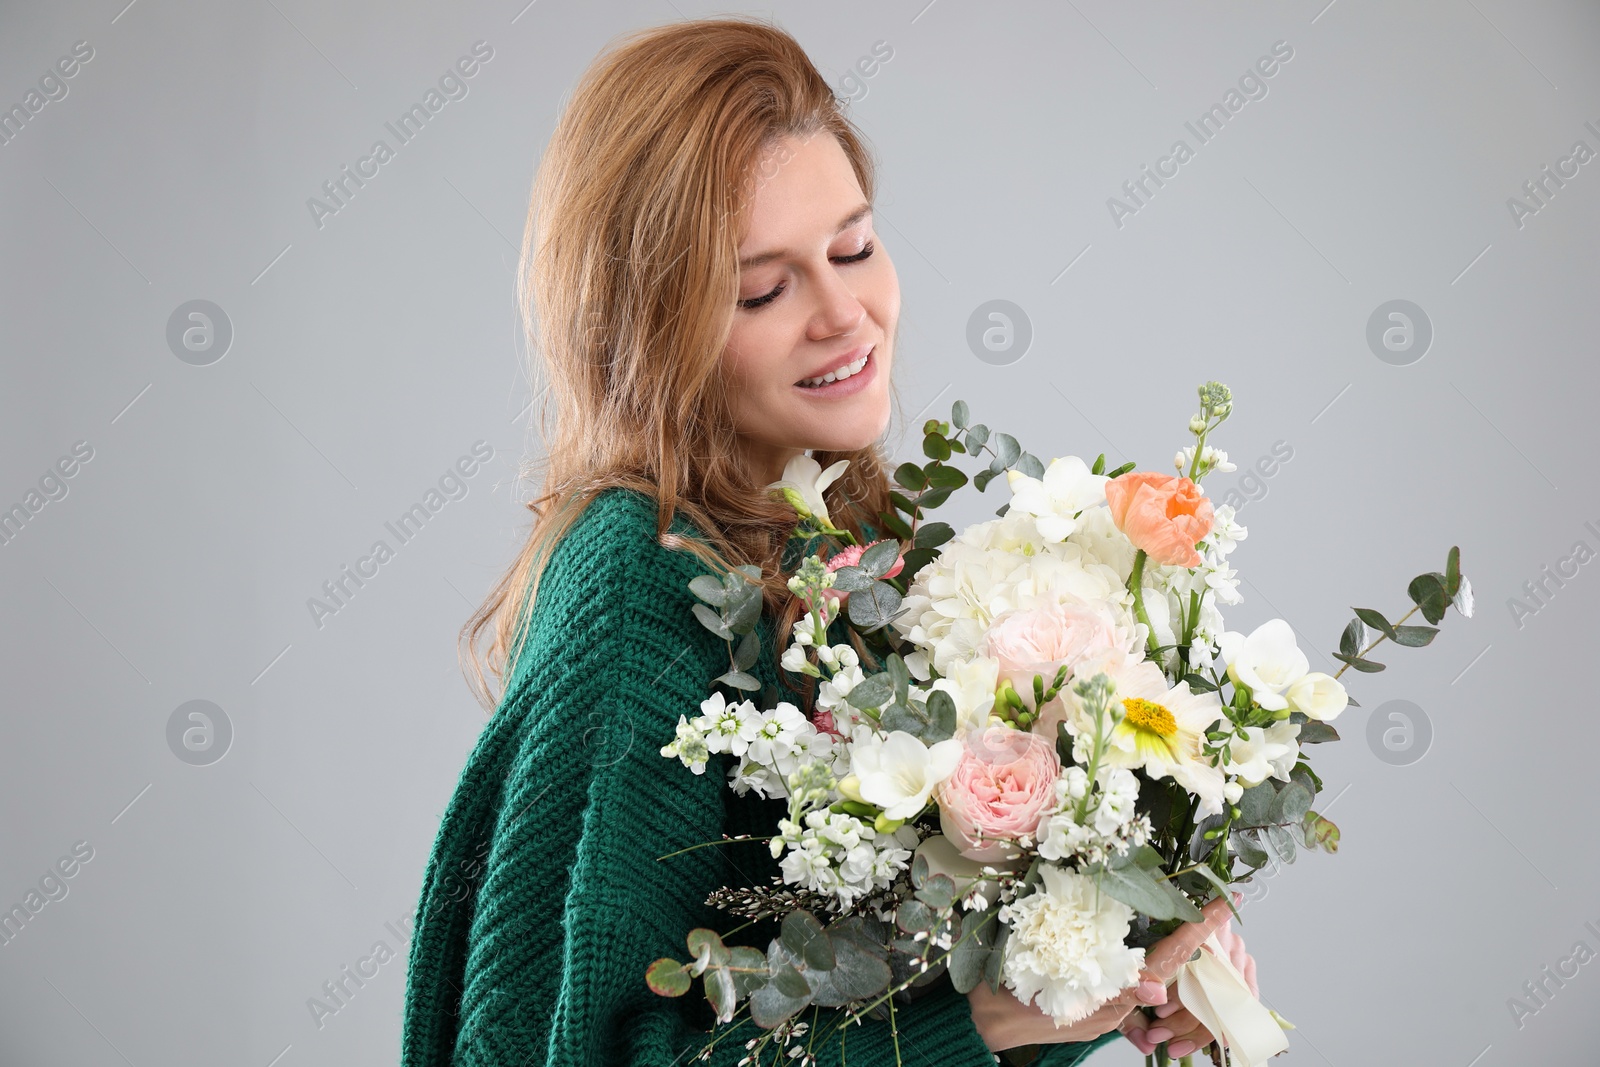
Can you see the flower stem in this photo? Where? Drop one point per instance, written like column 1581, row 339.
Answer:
column 1136, row 586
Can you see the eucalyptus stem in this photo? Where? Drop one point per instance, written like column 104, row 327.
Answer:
column 1381, row 638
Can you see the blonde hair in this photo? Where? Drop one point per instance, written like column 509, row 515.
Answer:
column 627, row 286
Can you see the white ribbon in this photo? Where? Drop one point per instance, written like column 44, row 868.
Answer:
column 1214, row 992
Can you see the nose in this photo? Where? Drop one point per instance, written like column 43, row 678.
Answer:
column 837, row 311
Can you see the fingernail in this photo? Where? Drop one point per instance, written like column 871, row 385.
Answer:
column 1140, row 1041
column 1181, row 1048
column 1164, row 1010
column 1159, row 1034
column 1152, row 992
column 1238, row 898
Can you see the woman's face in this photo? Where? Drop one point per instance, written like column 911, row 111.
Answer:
column 816, row 290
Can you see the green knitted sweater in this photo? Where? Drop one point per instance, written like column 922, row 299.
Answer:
column 544, row 900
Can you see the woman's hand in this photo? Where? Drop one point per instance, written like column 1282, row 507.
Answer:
column 1175, row 1024
column 1005, row 1022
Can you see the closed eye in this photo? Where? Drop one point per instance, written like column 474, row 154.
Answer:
column 762, row 301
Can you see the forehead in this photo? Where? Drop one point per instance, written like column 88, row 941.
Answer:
column 802, row 187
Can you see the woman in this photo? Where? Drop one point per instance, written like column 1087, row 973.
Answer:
column 699, row 258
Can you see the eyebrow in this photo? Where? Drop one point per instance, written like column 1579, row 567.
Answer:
column 767, row 257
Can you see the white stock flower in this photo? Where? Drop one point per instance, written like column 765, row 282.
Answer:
column 1054, row 501
column 803, row 482
column 1268, row 661
column 1066, row 946
column 1463, row 598
column 898, row 772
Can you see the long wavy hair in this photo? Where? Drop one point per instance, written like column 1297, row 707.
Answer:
column 627, row 286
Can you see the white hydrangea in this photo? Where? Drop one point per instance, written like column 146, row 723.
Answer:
column 995, row 566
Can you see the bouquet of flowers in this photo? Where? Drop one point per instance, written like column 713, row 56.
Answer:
column 1039, row 753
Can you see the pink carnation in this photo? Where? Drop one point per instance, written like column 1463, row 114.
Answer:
column 1002, row 785
column 851, row 557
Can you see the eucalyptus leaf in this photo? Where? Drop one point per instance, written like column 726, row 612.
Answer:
column 1199, row 846
column 740, row 680
column 1315, row 733
column 1366, row 666
column 1318, row 831
column 977, row 437
column 971, row 953
column 1291, row 804
column 874, row 607
column 874, row 691
column 852, row 579
column 934, row 446
column 1414, row 636
column 958, row 414
column 744, row 657
column 1007, row 450
column 708, row 588
column 933, row 534
column 712, row 621
column 1141, row 891
column 1452, row 572
column 1376, row 620
column 1427, row 592
column 943, row 477
column 938, row 892
column 1255, row 804
column 1350, row 641
column 804, row 937
column 1281, row 842
column 668, row 978
column 910, row 475
column 1029, row 464
column 1246, row 845
column 877, row 560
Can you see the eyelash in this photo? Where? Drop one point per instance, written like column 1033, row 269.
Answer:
column 757, row 302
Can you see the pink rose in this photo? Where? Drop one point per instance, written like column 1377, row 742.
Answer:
column 1161, row 514
column 851, row 557
column 1082, row 636
column 1002, row 785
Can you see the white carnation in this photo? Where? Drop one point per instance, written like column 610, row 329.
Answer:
column 1066, row 946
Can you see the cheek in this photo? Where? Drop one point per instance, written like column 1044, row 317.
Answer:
column 754, row 350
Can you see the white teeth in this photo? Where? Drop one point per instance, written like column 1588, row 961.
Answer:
column 839, row 375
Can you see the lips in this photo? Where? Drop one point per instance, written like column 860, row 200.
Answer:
column 842, row 360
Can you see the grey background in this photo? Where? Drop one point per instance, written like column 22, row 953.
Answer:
column 371, row 353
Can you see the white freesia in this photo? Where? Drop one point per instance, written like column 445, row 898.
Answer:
column 1318, row 695
column 803, row 482
column 1268, row 661
column 1264, row 753
column 1054, row 501
column 898, row 772
column 1066, row 945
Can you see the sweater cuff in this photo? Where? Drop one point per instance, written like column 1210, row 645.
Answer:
column 1064, row 1054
